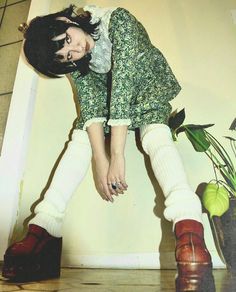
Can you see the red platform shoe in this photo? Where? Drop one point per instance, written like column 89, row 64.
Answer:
column 193, row 259
column 36, row 257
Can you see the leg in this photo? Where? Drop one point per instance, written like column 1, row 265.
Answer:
column 183, row 206
column 68, row 175
column 37, row 256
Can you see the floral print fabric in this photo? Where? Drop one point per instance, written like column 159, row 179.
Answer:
column 138, row 87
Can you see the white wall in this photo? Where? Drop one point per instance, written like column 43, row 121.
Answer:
column 15, row 144
column 198, row 39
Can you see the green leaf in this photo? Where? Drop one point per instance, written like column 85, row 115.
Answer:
column 233, row 125
column 193, row 127
column 198, row 139
column 215, row 199
column 176, row 119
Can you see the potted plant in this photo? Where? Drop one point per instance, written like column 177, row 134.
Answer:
column 219, row 196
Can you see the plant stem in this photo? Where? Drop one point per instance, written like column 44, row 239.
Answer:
column 221, row 151
column 230, row 173
column 233, row 147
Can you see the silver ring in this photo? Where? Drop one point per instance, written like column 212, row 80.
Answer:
column 114, row 186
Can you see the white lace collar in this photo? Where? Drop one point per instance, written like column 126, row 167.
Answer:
column 101, row 53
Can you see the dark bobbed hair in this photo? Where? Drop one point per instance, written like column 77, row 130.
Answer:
column 40, row 49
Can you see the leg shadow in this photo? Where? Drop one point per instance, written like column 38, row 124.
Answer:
column 167, row 243
column 16, row 236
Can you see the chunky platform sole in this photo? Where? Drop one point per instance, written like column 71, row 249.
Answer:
column 32, row 267
column 195, row 277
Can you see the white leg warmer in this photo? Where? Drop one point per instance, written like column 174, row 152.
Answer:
column 70, row 172
column 181, row 202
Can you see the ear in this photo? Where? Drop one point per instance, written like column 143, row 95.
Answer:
column 65, row 19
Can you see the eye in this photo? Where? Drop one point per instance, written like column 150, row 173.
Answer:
column 69, row 56
column 68, row 38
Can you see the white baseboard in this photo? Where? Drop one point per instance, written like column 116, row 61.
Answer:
column 165, row 260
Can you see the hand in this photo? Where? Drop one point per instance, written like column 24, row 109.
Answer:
column 102, row 167
column 116, row 174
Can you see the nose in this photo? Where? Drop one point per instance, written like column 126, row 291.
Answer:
column 81, row 49
column 77, row 48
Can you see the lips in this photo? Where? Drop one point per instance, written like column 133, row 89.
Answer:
column 87, row 47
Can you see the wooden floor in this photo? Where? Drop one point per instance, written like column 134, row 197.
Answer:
column 102, row 280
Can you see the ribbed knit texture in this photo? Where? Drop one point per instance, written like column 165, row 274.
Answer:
column 181, row 202
column 70, row 172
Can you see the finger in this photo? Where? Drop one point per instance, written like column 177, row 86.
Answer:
column 115, row 188
column 112, row 190
column 122, row 184
column 119, row 188
column 120, row 191
column 103, row 196
column 102, row 193
column 112, row 185
column 108, row 193
column 115, row 194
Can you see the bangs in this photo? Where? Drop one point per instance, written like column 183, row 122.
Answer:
column 56, row 46
column 57, row 28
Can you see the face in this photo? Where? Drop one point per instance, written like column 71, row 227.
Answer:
column 77, row 44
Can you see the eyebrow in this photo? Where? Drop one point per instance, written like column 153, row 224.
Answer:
column 56, row 39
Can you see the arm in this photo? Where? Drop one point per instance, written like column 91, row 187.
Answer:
column 92, row 97
column 124, row 38
column 116, row 172
column 96, row 137
column 118, row 139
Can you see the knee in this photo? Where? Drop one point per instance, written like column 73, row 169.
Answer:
column 155, row 134
column 80, row 136
column 79, row 142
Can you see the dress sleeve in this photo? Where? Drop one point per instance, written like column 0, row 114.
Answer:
column 92, row 97
column 123, row 35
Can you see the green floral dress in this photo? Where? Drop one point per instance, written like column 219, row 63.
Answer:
column 139, row 86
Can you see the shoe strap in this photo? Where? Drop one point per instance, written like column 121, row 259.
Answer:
column 190, row 234
column 43, row 235
column 39, row 237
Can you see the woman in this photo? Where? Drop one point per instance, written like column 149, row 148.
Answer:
column 123, row 82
